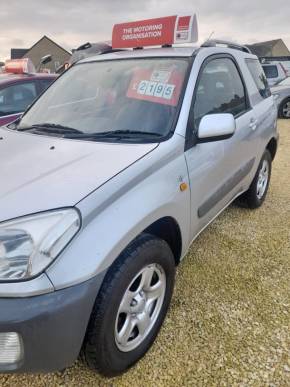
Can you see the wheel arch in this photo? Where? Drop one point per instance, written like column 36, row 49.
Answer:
column 167, row 228
column 272, row 147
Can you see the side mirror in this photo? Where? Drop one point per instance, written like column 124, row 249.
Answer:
column 215, row 127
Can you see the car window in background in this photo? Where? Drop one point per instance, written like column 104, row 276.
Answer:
column 271, row 71
column 137, row 95
column 220, row 90
column 44, row 83
column 259, row 77
column 16, row 98
column 285, row 82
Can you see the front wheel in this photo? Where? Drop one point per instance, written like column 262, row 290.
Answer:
column 131, row 306
column 256, row 194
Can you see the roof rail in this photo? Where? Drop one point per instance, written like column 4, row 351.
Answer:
column 235, row 46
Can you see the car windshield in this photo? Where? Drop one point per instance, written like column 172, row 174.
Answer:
column 123, row 99
column 285, row 82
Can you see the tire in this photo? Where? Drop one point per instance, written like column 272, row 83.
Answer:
column 284, row 109
column 106, row 349
column 256, row 194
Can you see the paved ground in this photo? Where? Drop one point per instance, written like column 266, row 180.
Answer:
column 230, row 317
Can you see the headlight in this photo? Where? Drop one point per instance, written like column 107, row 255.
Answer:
column 29, row 244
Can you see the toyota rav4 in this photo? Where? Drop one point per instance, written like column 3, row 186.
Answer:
column 105, row 182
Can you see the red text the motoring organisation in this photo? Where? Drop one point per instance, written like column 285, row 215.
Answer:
column 155, row 32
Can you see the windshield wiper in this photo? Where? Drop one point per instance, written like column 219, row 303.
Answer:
column 47, row 127
column 73, row 133
column 117, row 134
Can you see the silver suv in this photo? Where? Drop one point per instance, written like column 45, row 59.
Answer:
column 106, row 181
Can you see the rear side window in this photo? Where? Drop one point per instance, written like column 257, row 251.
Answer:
column 271, row 71
column 219, row 90
column 259, row 77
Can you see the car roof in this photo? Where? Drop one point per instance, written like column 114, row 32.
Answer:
column 14, row 78
column 180, row 51
column 142, row 53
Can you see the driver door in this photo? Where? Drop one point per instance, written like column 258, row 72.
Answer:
column 218, row 170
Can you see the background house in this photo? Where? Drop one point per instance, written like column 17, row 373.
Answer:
column 43, row 47
column 18, row 53
column 271, row 48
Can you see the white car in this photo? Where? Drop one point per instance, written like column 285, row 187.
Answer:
column 281, row 92
column 275, row 72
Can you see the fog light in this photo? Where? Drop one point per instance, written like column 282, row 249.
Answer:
column 10, row 348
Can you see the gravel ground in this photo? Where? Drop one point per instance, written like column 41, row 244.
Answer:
column 229, row 321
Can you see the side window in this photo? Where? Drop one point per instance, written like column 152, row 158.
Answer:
column 271, row 71
column 259, row 77
column 16, row 98
column 219, row 90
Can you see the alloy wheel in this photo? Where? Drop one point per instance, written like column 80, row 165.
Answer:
column 140, row 307
column 263, row 179
column 286, row 110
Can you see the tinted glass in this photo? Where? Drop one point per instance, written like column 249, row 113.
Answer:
column 271, row 71
column 219, row 90
column 131, row 94
column 259, row 77
column 16, row 98
column 44, row 83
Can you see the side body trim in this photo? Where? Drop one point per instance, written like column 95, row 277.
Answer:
column 226, row 188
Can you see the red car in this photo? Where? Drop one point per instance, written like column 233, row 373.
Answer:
column 18, row 89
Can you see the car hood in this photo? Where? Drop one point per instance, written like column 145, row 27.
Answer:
column 39, row 173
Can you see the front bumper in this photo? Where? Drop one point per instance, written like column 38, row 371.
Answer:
column 51, row 326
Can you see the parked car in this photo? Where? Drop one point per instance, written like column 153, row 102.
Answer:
column 18, row 89
column 89, row 49
column 109, row 176
column 275, row 72
column 281, row 92
column 85, row 51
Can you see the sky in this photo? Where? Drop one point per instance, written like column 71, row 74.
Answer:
column 71, row 23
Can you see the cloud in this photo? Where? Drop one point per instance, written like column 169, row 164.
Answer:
column 73, row 22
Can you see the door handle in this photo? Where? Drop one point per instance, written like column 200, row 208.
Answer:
column 253, row 124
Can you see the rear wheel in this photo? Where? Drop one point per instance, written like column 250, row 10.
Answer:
column 256, row 194
column 284, row 109
column 131, row 306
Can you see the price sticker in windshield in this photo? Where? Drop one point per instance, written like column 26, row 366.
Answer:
column 159, row 90
column 157, row 86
